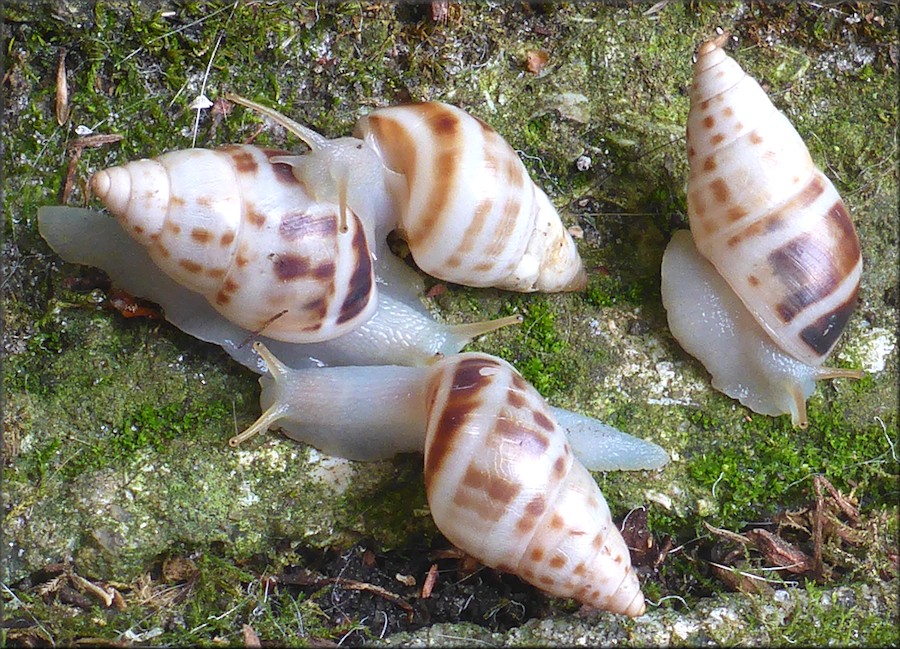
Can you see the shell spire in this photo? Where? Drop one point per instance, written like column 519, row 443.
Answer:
column 237, row 227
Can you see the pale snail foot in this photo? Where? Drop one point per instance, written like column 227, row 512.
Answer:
column 401, row 332
column 711, row 323
column 374, row 412
column 281, row 374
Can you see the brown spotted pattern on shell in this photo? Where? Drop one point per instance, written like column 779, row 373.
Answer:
column 242, row 231
column 764, row 215
column 503, row 485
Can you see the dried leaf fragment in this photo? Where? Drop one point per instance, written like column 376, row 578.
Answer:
column 94, row 141
column 406, row 580
column 308, row 578
column 845, row 504
column 779, row 552
column 62, row 89
column 726, row 534
column 105, row 595
column 430, row 580
column 132, row 307
column 576, row 231
column 645, row 551
column 75, row 149
column 740, row 581
column 536, row 61
column 251, row 638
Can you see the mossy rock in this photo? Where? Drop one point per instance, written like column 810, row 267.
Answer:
column 116, row 461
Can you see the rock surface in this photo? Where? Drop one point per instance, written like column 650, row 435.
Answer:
column 115, row 430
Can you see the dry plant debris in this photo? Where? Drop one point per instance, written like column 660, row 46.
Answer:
column 646, row 552
column 829, row 523
column 62, row 89
column 76, row 147
column 308, row 578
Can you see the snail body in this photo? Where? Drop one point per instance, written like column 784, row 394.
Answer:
column 776, row 232
column 502, row 479
column 453, row 188
column 713, row 325
column 400, row 331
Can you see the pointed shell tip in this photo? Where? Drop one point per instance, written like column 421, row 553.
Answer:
column 713, row 44
column 100, row 184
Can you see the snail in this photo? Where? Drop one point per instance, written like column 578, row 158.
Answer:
column 504, row 472
column 244, row 233
column 375, row 412
column 400, row 331
column 780, row 263
column 452, row 186
column 288, row 254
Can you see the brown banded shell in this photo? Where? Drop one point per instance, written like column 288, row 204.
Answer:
column 468, row 208
column 764, row 215
column 503, row 485
column 242, row 231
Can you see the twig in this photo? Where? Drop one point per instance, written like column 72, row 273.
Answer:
column 75, row 148
column 306, row 578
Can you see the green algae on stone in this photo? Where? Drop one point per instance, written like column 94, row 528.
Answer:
column 115, row 431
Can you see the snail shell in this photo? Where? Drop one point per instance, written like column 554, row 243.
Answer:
column 401, row 331
column 469, row 210
column 764, row 215
column 776, row 232
column 243, row 232
column 454, row 189
column 502, row 480
column 503, row 485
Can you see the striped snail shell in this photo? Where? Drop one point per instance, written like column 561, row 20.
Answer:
column 773, row 227
column 504, row 472
column 243, row 232
column 469, row 210
column 503, row 485
column 401, row 331
column 452, row 187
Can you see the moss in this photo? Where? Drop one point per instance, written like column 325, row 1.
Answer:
column 393, row 510
column 609, row 291
column 770, row 463
column 831, row 618
column 103, row 410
